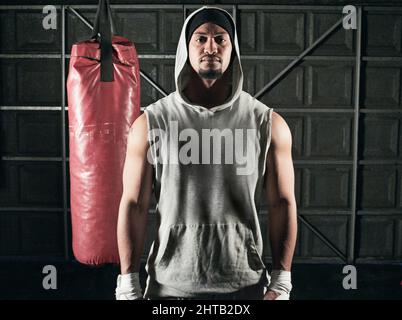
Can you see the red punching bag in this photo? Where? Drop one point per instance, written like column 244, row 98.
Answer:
column 103, row 89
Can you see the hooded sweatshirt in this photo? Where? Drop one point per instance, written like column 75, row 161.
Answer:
column 209, row 168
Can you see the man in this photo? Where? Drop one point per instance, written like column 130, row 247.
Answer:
column 209, row 242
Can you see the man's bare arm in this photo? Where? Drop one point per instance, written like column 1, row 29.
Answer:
column 280, row 195
column 134, row 204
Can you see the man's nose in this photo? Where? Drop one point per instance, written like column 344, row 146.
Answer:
column 210, row 46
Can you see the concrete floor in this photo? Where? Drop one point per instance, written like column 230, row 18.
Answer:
column 23, row 280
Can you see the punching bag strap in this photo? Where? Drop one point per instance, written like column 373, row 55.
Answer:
column 105, row 27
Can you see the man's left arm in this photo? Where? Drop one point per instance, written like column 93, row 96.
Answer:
column 281, row 206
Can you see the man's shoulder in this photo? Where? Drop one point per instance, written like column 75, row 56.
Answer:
column 281, row 134
column 160, row 104
column 247, row 98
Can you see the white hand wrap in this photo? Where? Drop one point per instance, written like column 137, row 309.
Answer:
column 281, row 283
column 128, row 287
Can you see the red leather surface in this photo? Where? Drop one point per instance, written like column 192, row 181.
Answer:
column 100, row 115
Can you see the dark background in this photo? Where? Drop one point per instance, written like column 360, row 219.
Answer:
column 342, row 103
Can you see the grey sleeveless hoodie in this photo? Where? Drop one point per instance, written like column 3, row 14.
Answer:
column 209, row 167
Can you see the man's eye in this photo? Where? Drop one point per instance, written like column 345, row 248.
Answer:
column 200, row 39
column 219, row 40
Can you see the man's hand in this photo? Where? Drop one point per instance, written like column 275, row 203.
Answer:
column 280, row 285
column 128, row 287
column 270, row 295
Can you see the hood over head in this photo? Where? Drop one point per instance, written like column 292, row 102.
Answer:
column 183, row 67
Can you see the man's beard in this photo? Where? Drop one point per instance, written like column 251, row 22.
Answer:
column 210, row 74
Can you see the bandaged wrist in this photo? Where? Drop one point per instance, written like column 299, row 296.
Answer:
column 128, row 286
column 281, row 283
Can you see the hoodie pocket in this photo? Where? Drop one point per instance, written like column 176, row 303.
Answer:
column 208, row 254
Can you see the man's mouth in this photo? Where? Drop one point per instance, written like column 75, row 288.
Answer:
column 210, row 60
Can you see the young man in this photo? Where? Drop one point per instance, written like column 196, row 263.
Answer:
column 208, row 148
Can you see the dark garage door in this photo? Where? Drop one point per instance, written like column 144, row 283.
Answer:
column 342, row 102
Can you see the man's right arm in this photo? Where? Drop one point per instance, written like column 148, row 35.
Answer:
column 134, row 204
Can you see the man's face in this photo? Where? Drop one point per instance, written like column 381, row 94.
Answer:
column 210, row 50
